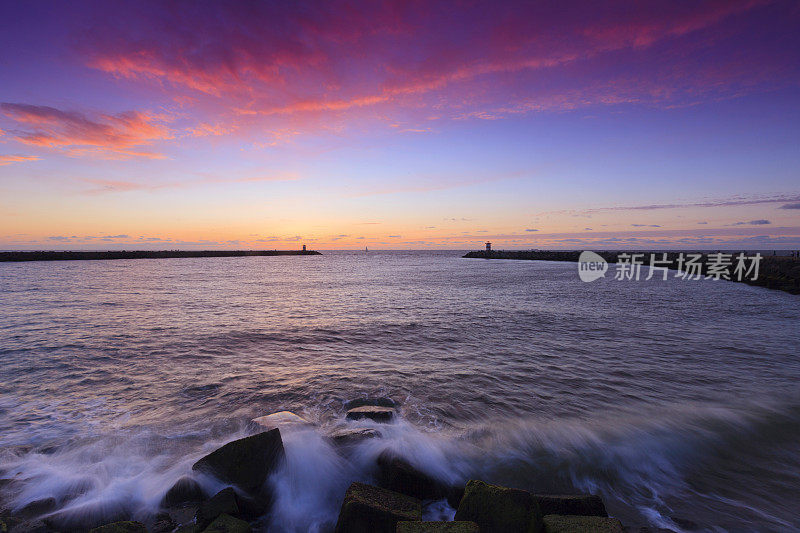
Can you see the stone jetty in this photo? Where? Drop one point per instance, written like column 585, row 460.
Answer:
column 141, row 254
column 780, row 272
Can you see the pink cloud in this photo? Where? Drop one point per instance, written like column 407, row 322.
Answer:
column 119, row 136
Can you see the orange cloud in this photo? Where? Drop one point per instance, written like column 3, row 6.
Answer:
column 8, row 159
column 119, row 136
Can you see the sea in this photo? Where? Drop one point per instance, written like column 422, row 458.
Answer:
column 677, row 401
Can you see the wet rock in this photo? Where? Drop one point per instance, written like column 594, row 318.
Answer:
column 581, row 524
column 437, row 527
column 371, row 412
column 121, row 527
column 685, row 523
column 31, row 526
column 185, row 491
column 399, row 475
column 223, row 502
column 227, row 524
column 582, row 505
column 37, row 508
column 245, row 462
column 454, row 496
column 163, row 524
column 377, row 402
column 183, row 515
column 348, row 437
column 499, row 509
column 368, row 509
column 280, row 419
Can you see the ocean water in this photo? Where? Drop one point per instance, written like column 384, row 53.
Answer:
column 678, row 402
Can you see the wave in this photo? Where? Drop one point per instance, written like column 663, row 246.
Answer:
column 679, row 467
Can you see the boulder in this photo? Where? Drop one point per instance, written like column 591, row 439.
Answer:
column 32, row 526
column 347, row 437
column 223, row 502
column 398, row 475
column 185, row 491
column 245, row 462
column 437, row 527
column 581, row 524
column 371, row 412
column 499, row 509
column 126, row 526
column 583, row 505
column 281, row 419
column 227, row 524
column 368, row 509
column 361, row 402
column 37, row 508
column 163, row 523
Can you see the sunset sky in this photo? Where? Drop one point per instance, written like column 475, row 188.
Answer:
column 671, row 124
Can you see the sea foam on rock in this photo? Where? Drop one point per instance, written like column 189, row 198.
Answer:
column 368, row 509
column 245, row 462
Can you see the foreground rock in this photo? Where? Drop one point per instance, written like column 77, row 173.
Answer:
column 499, row 509
column 227, row 524
column 185, row 491
column 223, row 502
column 246, row 462
column 347, row 437
column 399, row 475
column 371, row 412
column 581, row 524
column 126, row 526
column 281, row 419
column 583, row 505
column 378, row 402
column 368, row 509
column 437, row 527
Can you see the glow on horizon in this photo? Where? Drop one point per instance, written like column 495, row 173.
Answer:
column 400, row 125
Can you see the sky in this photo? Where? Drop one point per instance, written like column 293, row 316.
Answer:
column 400, row 125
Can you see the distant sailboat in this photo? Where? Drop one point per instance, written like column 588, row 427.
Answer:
column 366, row 249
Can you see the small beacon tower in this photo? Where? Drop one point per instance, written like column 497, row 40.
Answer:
column 304, row 247
column 488, row 247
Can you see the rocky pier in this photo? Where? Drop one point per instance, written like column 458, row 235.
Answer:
column 141, row 254
column 779, row 272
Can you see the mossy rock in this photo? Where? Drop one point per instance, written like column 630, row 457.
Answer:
column 223, row 502
column 581, row 505
column 437, row 527
column 581, row 524
column 499, row 509
column 227, row 524
column 368, row 509
column 125, row 526
column 245, row 462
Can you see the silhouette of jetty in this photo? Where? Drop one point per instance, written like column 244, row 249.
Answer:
column 143, row 254
column 780, row 272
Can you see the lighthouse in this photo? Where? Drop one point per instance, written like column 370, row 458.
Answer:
column 488, row 247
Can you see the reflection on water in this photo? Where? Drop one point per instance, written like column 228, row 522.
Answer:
column 672, row 399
